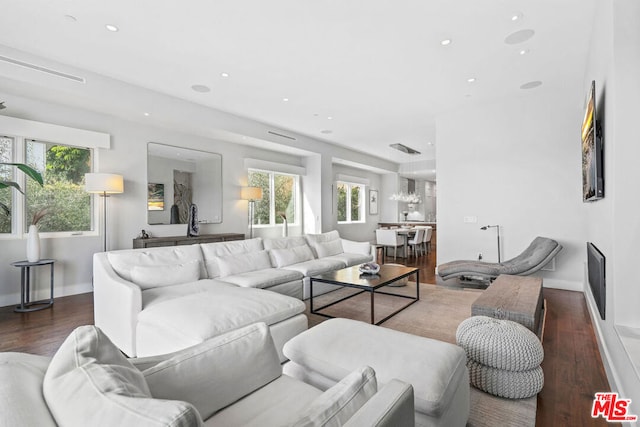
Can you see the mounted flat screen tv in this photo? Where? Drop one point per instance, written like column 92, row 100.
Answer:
column 592, row 155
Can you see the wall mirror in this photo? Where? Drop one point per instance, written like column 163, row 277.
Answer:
column 178, row 177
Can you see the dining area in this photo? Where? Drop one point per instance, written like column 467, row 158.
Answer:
column 404, row 240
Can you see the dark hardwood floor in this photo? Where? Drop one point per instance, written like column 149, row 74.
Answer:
column 572, row 366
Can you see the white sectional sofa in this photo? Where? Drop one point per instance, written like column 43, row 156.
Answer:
column 232, row 380
column 159, row 300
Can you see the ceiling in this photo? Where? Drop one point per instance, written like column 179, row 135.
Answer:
column 360, row 73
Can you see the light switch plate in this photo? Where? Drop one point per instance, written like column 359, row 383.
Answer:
column 470, row 219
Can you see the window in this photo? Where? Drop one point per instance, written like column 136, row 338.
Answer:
column 350, row 203
column 62, row 167
column 68, row 207
column 6, row 174
column 279, row 197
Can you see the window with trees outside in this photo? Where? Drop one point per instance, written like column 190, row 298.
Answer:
column 279, row 197
column 350, row 202
column 62, row 202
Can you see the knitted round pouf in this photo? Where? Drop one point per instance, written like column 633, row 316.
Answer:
column 503, row 383
column 503, row 357
column 501, row 344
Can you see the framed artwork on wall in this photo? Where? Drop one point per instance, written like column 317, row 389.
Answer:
column 155, row 197
column 373, row 202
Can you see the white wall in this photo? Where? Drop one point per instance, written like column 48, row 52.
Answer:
column 128, row 211
column 613, row 224
column 515, row 163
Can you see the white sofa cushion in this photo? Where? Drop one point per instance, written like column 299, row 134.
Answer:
column 294, row 255
column 148, row 277
column 219, row 371
column 277, row 404
column 316, row 266
column 21, row 400
column 285, row 242
column 336, row 405
column 325, row 249
column 314, row 239
column 179, row 323
column 123, row 261
column 350, row 259
column 264, row 279
column 236, row 264
column 349, row 246
column 164, row 293
column 89, row 382
column 211, row 252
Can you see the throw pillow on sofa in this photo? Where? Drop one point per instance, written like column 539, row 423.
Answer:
column 237, row 264
column 89, row 382
column 295, row 255
column 156, row 276
column 335, row 406
column 325, row 249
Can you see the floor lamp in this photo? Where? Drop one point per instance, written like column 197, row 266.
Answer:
column 251, row 194
column 103, row 184
column 497, row 227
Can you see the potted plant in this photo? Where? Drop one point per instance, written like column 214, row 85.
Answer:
column 27, row 170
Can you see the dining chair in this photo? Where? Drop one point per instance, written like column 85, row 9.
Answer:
column 417, row 241
column 389, row 239
column 427, row 238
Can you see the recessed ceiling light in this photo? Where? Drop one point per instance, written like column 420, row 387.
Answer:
column 516, row 16
column 111, row 28
column 471, row 79
column 316, row 115
column 329, row 118
column 429, row 143
column 225, row 75
column 200, row 88
column 445, row 42
column 285, row 99
column 70, row 18
column 524, row 51
column 531, row 85
column 147, row 114
column 468, row 95
column 327, row 131
column 433, row 170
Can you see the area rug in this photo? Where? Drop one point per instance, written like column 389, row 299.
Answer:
column 437, row 315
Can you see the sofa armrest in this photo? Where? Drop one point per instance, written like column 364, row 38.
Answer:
column 391, row 406
column 116, row 304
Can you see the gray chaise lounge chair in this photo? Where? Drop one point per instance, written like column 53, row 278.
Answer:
column 537, row 255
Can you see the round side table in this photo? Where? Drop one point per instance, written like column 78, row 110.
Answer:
column 25, row 272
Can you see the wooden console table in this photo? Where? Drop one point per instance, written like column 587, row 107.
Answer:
column 154, row 242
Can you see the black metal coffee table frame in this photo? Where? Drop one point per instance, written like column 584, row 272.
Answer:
column 351, row 277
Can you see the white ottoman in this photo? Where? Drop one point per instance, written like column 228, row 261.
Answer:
column 437, row 370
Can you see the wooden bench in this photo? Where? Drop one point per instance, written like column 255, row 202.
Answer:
column 516, row 298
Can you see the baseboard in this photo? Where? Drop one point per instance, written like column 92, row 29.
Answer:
column 58, row 291
column 567, row 285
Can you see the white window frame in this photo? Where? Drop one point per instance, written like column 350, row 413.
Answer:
column 21, row 130
column 349, row 186
column 272, row 199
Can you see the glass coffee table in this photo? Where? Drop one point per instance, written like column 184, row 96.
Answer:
column 351, row 277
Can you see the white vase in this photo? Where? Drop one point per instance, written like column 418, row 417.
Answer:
column 33, row 244
column 285, row 229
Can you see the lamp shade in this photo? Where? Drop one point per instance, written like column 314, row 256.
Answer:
column 251, row 193
column 107, row 183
